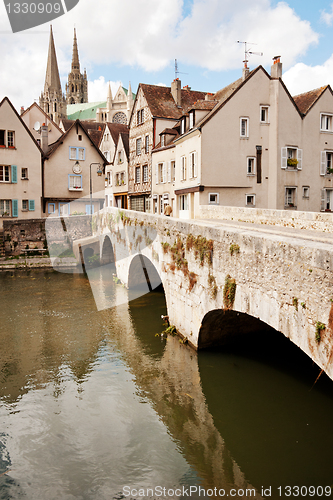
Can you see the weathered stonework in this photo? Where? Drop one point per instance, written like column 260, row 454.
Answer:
column 272, row 273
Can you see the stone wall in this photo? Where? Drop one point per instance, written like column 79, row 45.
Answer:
column 319, row 221
column 21, row 235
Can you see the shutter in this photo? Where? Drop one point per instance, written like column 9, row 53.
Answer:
column 15, row 208
column 322, row 199
column 164, row 172
column 31, row 205
column 323, row 163
column 299, row 159
column 195, row 170
column 169, row 171
column 156, row 173
column 284, row 158
column 14, row 174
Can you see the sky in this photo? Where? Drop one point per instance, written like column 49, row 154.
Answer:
column 137, row 41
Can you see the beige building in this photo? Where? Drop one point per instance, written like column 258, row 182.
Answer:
column 117, row 174
column 155, row 109
column 34, row 117
column 257, row 147
column 20, row 167
column 73, row 168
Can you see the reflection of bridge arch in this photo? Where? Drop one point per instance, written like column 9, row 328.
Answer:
column 221, row 327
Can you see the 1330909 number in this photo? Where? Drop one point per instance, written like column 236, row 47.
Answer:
column 303, row 491
column 33, row 8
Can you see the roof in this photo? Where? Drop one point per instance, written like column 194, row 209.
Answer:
column 61, row 139
column 204, row 105
column 116, row 129
column 126, row 92
column 223, row 94
column 162, row 104
column 304, row 102
column 84, row 111
column 169, row 131
column 48, row 119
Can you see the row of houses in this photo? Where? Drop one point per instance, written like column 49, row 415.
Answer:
column 250, row 144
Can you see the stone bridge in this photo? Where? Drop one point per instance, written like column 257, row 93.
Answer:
column 222, row 279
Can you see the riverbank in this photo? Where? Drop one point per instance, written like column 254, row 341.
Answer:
column 37, row 262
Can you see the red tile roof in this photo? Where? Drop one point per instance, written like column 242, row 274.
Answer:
column 305, row 101
column 162, row 104
column 204, row 105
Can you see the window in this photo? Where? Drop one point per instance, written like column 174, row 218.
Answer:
column 109, row 176
column 326, row 122
column 306, row 192
column 145, row 173
column 147, row 144
column 4, row 173
column 122, row 178
column 7, row 138
column 107, row 155
column 244, row 127
column 213, row 198
column 251, row 165
column 138, row 146
column 140, row 116
column 25, row 205
column 120, row 156
column 326, row 167
column 117, row 179
column 161, row 173
column 193, row 164
column 173, row 170
column 182, row 126
column 183, row 204
column 162, row 140
column 64, row 209
column 291, row 158
column 250, row 200
column 4, row 207
column 51, row 208
column 137, row 175
column 290, row 197
column 75, row 182
column 10, row 139
column 191, row 116
column 24, row 173
column 183, row 169
column 264, row 114
column 77, row 153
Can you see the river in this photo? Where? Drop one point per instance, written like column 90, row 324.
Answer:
column 97, row 405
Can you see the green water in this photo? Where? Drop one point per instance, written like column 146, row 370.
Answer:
column 92, row 402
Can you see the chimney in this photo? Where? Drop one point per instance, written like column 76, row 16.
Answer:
column 246, row 71
column 44, row 138
column 276, row 69
column 176, row 90
column 22, row 110
column 209, row 96
column 187, row 87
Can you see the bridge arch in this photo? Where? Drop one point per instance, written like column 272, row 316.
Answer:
column 106, row 251
column 142, row 274
column 222, row 327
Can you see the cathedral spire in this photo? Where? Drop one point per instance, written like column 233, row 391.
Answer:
column 75, row 57
column 52, row 79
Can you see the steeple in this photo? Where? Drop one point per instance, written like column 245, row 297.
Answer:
column 52, row 100
column 75, row 57
column 52, row 79
column 77, row 86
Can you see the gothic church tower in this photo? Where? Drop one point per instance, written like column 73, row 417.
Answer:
column 52, row 100
column 77, row 86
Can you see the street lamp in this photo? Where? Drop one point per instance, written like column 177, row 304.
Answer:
column 99, row 173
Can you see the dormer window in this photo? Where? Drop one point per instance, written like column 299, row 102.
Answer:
column 162, row 140
column 191, row 125
column 182, row 126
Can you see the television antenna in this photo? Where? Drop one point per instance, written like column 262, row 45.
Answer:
column 178, row 72
column 249, row 52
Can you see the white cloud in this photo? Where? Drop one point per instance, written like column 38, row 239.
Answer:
column 98, row 89
column 327, row 17
column 149, row 35
column 301, row 77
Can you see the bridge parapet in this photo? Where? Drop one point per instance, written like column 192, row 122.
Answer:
column 217, row 278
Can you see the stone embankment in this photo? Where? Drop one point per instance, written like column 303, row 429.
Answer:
column 8, row 264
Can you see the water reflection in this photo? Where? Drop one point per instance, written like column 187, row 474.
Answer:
column 93, row 401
